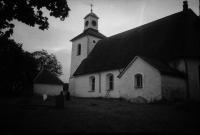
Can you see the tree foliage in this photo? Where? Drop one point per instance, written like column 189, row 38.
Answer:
column 17, row 68
column 49, row 61
column 30, row 13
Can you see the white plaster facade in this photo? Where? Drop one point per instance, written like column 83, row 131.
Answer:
column 151, row 81
column 48, row 89
column 87, row 43
column 82, row 86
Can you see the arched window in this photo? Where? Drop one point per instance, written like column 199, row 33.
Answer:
column 92, row 83
column 79, row 49
column 138, row 81
column 109, row 81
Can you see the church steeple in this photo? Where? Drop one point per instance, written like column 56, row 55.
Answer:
column 91, row 7
column 91, row 20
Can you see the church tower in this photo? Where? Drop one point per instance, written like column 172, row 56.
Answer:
column 83, row 44
column 91, row 21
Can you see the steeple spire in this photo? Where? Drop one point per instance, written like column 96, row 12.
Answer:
column 91, row 7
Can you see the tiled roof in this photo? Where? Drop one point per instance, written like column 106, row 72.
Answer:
column 91, row 32
column 163, row 67
column 46, row 77
column 171, row 37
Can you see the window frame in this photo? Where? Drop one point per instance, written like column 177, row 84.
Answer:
column 138, row 79
column 110, row 81
column 92, row 83
column 78, row 50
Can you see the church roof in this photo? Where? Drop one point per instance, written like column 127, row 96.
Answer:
column 46, row 77
column 161, row 66
column 171, row 37
column 91, row 14
column 91, row 32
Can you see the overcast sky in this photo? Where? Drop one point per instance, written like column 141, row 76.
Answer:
column 115, row 16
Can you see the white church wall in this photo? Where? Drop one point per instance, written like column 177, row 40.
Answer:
column 77, row 59
column 151, row 81
column 115, row 92
column 48, row 89
column 82, row 86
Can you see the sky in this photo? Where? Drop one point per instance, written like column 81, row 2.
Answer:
column 115, row 16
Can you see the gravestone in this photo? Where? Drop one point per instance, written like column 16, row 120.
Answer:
column 44, row 97
column 60, row 101
column 68, row 96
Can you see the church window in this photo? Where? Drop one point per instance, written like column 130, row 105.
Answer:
column 79, row 49
column 86, row 23
column 109, row 81
column 94, row 23
column 138, row 81
column 92, row 83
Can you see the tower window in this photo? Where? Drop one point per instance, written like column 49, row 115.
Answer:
column 79, row 49
column 138, row 81
column 86, row 23
column 94, row 23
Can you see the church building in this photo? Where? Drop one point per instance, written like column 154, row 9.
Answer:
column 151, row 61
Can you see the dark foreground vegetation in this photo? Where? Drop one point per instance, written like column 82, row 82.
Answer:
column 96, row 115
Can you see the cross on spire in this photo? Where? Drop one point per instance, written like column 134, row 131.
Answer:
column 91, row 7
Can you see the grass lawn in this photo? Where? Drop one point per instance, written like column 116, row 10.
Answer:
column 96, row 115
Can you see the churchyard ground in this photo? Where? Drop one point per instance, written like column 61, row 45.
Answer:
column 82, row 115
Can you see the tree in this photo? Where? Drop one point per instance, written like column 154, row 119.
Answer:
column 49, row 61
column 17, row 69
column 29, row 12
